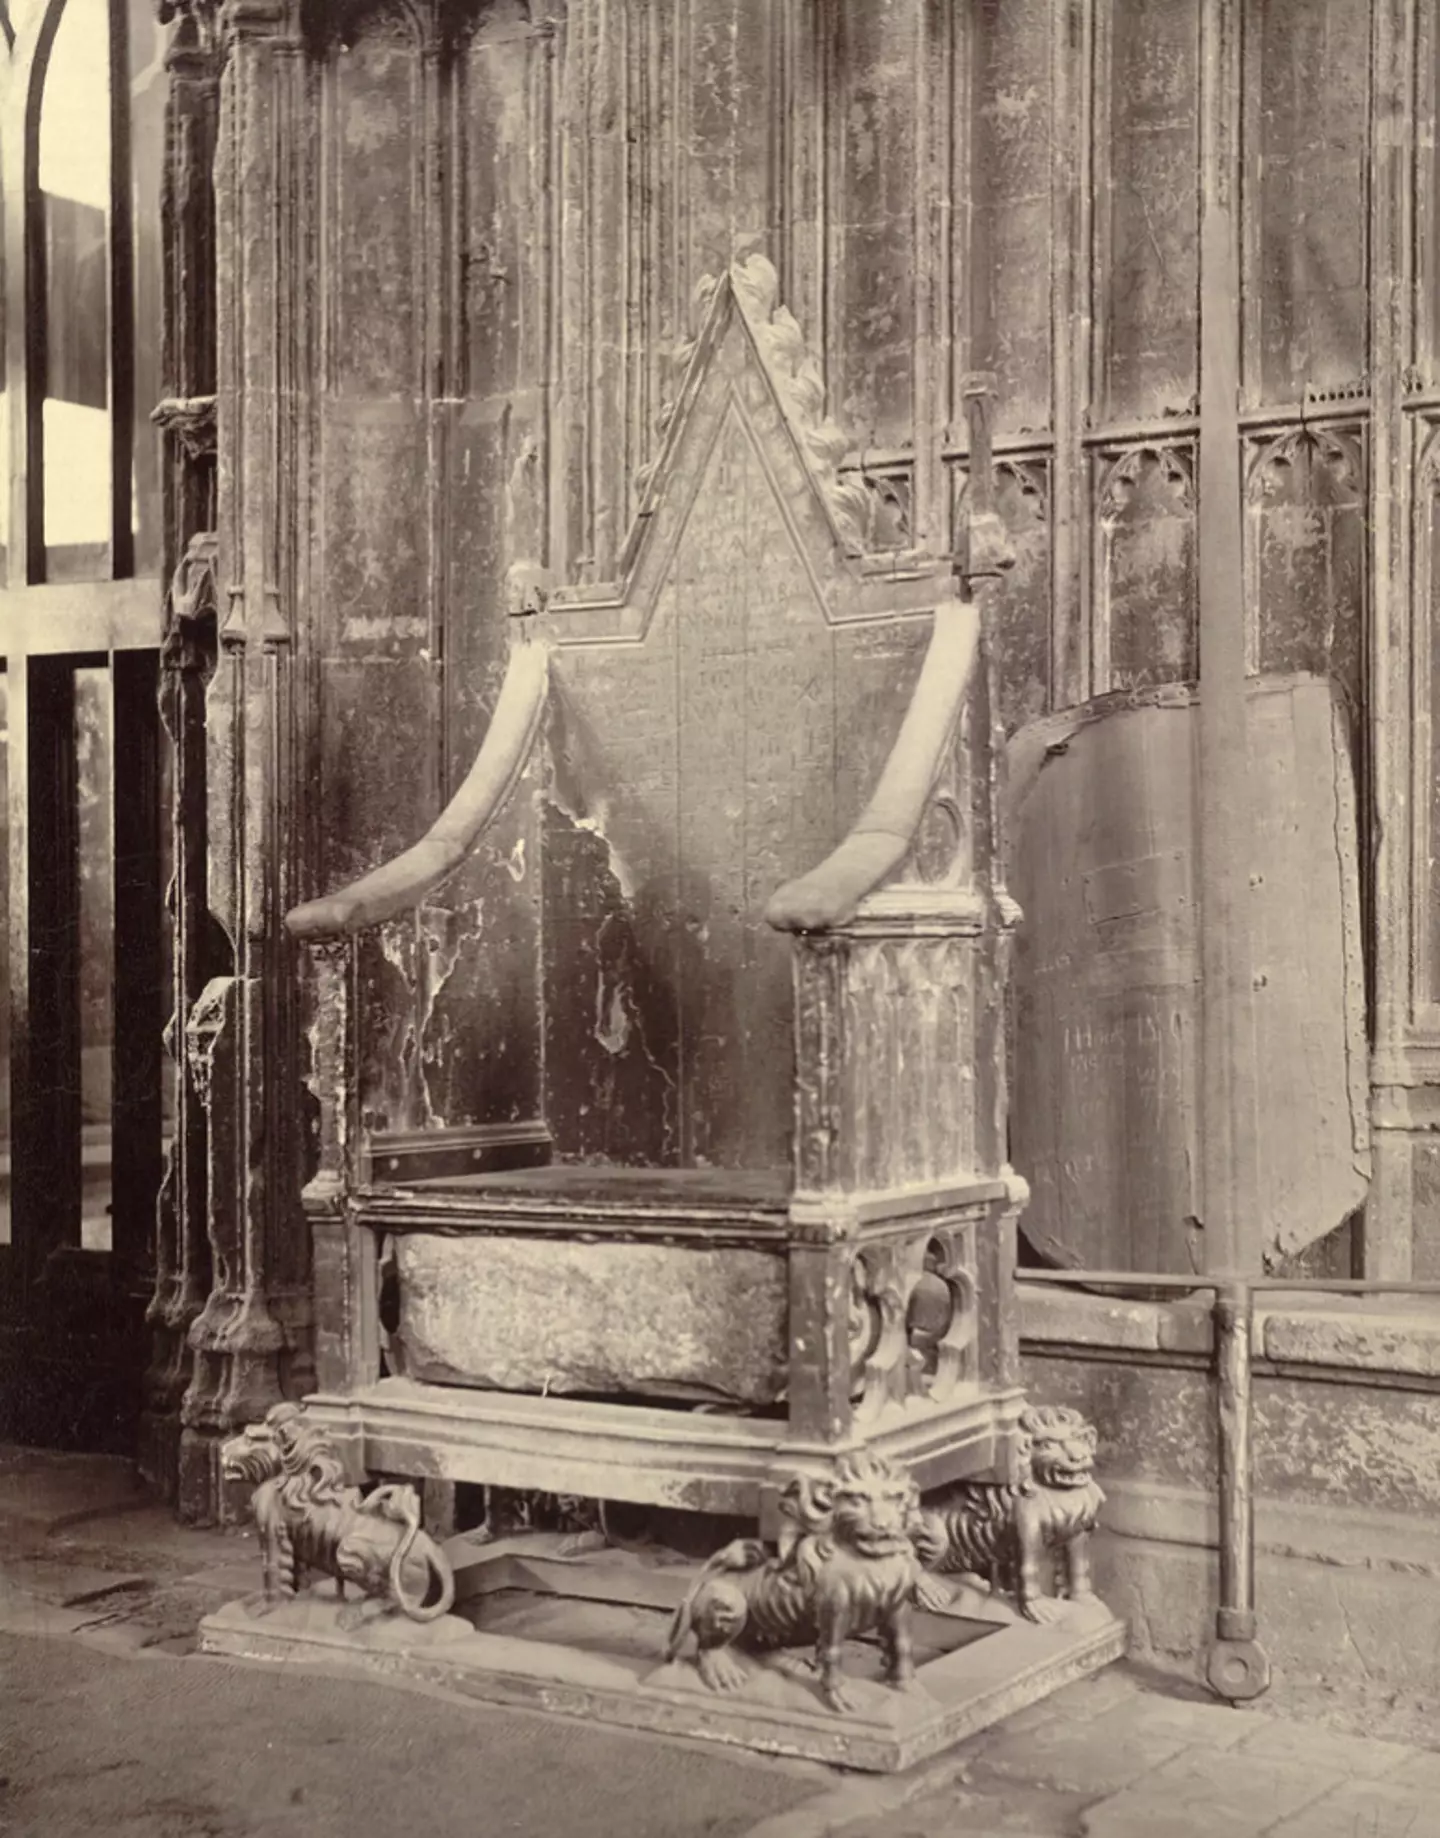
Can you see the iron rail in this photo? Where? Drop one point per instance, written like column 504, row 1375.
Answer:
column 1237, row 1666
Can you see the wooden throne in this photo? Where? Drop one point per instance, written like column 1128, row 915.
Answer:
column 765, row 774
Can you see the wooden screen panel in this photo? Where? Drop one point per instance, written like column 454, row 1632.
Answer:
column 1306, row 173
column 1010, row 156
column 1018, row 608
column 871, row 209
column 730, row 132
column 1146, row 202
column 1145, row 596
column 1306, row 550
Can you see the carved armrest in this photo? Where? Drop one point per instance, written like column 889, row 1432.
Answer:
column 886, row 829
column 402, row 883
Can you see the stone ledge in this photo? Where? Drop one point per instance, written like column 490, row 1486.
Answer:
column 1333, row 1536
column 1291, row 1328
column 1077, row 1318
column 1336, row 1332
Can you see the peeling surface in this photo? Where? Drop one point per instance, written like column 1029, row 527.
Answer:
column 692, row 774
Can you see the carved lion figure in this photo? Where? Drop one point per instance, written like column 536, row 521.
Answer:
column 1002, row 1533
column 846, row 1565
column 309, row 1519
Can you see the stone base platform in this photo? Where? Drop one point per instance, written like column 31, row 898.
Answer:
column 582, row 1636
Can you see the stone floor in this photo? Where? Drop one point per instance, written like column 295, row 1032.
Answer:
column 113, row 1724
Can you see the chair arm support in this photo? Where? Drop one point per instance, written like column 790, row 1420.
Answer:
column 885, row 831
column 403, row 882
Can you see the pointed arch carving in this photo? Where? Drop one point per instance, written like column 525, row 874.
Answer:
column 1340, row 449
column 331, row 25
column 1118, row 484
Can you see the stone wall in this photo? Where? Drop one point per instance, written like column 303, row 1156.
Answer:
column 1346, row 1439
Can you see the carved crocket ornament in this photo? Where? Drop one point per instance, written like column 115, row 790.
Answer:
column 846, row 1566
column 1003, row 1534
column 311, row 1520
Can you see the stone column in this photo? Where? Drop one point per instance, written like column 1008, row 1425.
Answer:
column 250, row 1339
column 187, row 415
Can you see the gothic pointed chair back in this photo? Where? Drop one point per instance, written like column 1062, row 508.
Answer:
column 770, row 968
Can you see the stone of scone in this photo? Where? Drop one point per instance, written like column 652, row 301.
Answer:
column 640, row 1320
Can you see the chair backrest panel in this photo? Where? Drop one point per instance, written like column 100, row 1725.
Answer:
column 717, row 720
column 693, row 772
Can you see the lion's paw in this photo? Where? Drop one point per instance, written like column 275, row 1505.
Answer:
column 796, row 1665
column 840, row 1696
column 1043, row 1610
column 931, row 1593
column 722, row 1670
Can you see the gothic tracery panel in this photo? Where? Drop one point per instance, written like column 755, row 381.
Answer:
column 1145, row 589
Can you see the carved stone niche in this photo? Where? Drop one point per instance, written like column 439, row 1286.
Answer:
column 771, row 1255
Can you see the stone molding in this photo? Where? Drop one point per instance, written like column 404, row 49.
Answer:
column 1332, row 1331
column 1337, row 1536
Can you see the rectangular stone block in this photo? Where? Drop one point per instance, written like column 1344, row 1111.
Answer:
column 549, row 1315
column 1394, row 1341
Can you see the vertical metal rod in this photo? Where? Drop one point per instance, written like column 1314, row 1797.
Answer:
column 1237, row 1518
column 1237, row 1665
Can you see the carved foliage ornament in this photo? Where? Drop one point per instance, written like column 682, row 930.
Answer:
column 799, row 384
column 199, row 23
column 191, row 601
column 191, row 419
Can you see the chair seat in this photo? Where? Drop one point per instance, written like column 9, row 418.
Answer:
column 711, row 1205
column 588, row 1184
